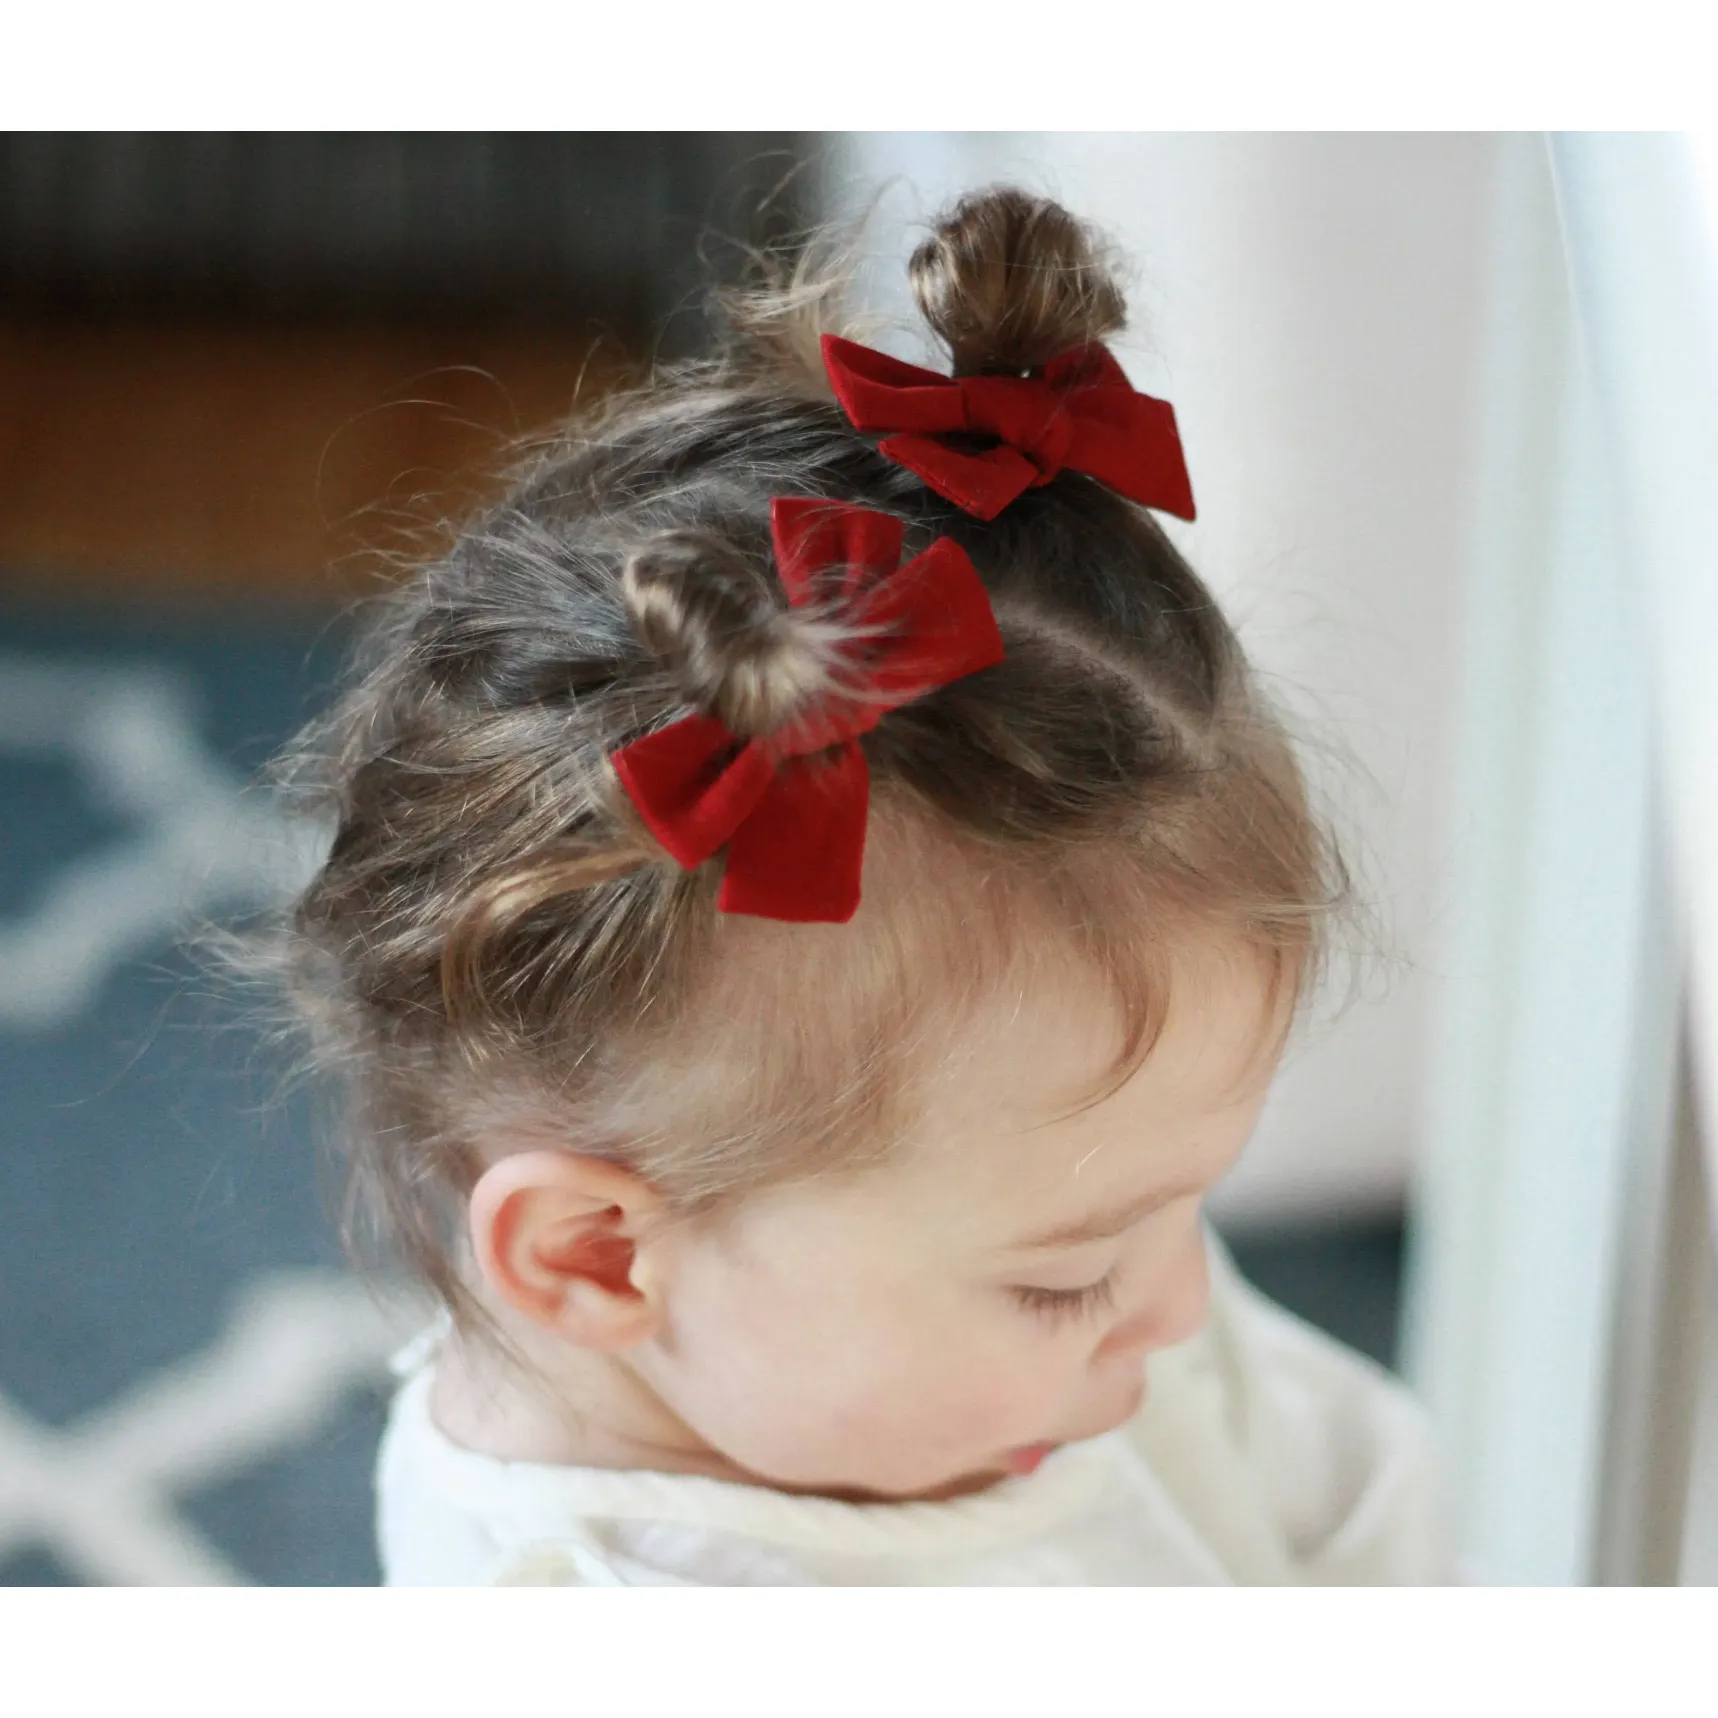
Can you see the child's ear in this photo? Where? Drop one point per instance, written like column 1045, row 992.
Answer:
column 556, row 1236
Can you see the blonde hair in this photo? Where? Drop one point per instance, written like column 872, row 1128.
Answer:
column 494, row 946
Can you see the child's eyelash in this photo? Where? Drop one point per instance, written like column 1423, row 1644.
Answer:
column 1067, row 1303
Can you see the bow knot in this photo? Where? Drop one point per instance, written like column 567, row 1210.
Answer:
column 1081, row 414
column 791, row 806
column 1020, row 411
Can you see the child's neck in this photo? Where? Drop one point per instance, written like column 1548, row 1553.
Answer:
column 573, row 1407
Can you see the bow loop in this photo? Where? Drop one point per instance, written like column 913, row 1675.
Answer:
column 1081, row 414
column 791, row 806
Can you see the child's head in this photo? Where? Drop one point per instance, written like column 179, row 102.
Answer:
column 787, row 1172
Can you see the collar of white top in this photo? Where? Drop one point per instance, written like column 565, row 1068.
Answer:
column 529, row 1502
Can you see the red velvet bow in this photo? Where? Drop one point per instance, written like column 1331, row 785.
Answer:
column 794, row 823
column 1082, row 414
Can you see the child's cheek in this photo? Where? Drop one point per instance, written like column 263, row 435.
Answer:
column 988, row 1401
column 933, row 1405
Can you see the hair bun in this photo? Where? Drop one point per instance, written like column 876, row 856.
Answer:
column 715, row 620
column 1009, row 281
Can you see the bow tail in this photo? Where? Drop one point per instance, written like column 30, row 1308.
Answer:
column 1131, row 443
column 800, row 853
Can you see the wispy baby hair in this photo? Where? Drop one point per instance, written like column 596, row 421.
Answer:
column 495, row 950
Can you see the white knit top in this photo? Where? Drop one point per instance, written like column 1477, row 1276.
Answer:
column 1265, row 1454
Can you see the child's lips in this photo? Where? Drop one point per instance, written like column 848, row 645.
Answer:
column 1028, row 1458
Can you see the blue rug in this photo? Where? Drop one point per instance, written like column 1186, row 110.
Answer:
column 190, row 1380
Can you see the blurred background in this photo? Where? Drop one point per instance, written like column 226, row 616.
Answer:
column 235, row 370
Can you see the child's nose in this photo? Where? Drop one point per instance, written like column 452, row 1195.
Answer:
column 1177, row 1307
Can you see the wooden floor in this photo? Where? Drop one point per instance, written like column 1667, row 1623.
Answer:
column 154, row 455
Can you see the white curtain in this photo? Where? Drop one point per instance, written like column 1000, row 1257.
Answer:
column 1640, row 222
column 1553, row 1047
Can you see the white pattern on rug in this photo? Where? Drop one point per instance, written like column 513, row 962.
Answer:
column 200, row 842
column 101, row 1494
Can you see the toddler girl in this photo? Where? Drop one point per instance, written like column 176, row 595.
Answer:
column 816, row 904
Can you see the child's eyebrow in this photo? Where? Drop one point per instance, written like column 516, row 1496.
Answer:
column 1104, row 1225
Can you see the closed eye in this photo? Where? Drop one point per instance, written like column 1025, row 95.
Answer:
column 1067, row 1303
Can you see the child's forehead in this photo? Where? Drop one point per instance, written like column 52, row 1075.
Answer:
column 1030, row 1064
column 1000, row 1151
